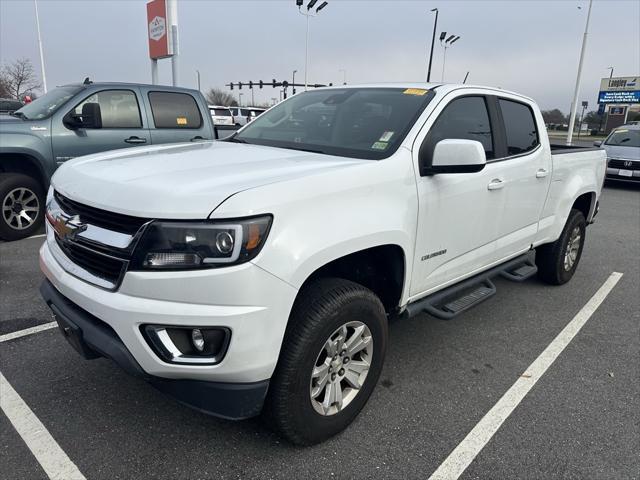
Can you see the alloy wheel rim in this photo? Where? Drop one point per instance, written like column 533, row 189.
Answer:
column 20, row 208
column 573, row 247
column 341, row 368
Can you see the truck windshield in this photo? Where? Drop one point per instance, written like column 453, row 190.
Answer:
column 46, row 105
column 624, row 138
column 368, row 123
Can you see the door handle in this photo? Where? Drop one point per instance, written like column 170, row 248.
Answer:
column 541, row 173
column 136, row 140
column 197, row 138
column 496, row 184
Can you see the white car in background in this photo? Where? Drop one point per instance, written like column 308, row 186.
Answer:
column 243, row 115
column 623, row 153
column 221, row 115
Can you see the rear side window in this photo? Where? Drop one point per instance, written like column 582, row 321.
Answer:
column 520, row 127
column 465, row 118
column 119, row 108
column 221, row 112
column 174, row 110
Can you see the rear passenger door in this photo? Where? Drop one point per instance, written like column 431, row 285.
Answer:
column 525, row 170
column 175, row 117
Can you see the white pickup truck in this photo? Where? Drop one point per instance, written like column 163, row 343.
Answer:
column 259, row 273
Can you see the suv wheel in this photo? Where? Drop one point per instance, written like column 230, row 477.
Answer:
column 330, row 362
column 557, row 261
column 21, row 206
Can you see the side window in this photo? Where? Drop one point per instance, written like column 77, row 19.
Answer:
column 174, row 110
column 520, row 127
column 464, row 118
column 119, row 108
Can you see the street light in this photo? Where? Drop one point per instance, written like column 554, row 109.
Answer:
column 433, row 40
column 294, row 82
column 450, row 40
column 344, row 76
column 576, row 91
column 308, row 14
column 240, row 99
column 44, row 78
column 198, row 75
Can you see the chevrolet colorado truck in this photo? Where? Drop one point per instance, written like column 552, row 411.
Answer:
column 258, row 274
column 75, row 120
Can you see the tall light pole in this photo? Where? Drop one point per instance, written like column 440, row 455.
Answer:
column 198, row 75
column 293, row 81
column 576, row 91
column 308, row 14
column 240, row 99
column 451, row 39
column 433, row 41
column 44, row 78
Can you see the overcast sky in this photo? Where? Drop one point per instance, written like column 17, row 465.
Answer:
column 528, row 46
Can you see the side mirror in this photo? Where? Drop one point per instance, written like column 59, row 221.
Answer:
column 597, row 143
column 456, row 156
column 91, row 117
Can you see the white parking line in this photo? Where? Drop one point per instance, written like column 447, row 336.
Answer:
column 37, row 236
column 27, row 331
column 56, row 464
column 462, row 456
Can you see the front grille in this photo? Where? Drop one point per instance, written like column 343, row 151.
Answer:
column 616, row 163
column 103, row 266
column 101, row 218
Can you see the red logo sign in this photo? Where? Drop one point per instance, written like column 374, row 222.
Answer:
column 158, row 29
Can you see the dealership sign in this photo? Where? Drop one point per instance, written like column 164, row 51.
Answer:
column 619, row 90
column 159, row 27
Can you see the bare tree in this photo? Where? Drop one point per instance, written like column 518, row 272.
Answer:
column 20, row 78
column 215, row 96
column 4, row 86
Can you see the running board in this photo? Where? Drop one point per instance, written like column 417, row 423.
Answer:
column 458, row 298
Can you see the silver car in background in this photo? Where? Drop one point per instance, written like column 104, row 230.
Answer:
column 623, row 153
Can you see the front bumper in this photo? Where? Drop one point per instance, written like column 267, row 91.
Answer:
column 245, row 299
column 93, row 338
column 615, row 174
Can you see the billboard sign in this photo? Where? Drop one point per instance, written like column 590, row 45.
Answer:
column 619, row 90
column 159, row 26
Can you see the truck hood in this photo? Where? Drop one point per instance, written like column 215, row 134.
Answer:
column 182, row 181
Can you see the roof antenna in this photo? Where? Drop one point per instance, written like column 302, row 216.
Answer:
column 465, row 78
column 87, row 81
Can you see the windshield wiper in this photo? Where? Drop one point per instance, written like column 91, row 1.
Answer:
column 310, row 150
column 234, row 140
column 19, row 115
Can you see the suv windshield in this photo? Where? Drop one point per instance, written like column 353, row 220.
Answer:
column 624, row 138
column 47, row 104
column 367, row 123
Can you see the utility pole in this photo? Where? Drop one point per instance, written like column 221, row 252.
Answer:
column 576, row 91
column 433, row 41
column 173, row 29
column 44, row 78
column 294, row 82
column 308, row 14
column 198, row 73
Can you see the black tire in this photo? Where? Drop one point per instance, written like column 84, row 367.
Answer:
column 550, row 258
column 320, row 309
column 9, row 227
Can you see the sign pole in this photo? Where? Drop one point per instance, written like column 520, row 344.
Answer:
column 574, row 104
column 173, row 17
column 154, row 71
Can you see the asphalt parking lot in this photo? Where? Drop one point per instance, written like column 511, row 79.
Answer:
column 580, row 420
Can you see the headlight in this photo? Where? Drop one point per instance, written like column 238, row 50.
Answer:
column 191, row 245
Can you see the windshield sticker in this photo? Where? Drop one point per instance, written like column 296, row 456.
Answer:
column 415, row 91
column 181, row 120
column 386, row 136
column 380, row 146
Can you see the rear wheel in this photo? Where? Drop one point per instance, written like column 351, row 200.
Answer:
column 330, row 362
column 557, row 262
column 21, row 206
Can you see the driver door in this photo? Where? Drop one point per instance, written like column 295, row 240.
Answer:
column 123, row 126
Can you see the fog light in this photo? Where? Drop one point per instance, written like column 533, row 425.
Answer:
column 197, row 339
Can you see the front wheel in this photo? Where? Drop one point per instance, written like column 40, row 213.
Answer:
column 330, row 362
column 557, row 261
column 21, row 206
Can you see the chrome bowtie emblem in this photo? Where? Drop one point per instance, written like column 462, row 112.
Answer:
column 68, row 227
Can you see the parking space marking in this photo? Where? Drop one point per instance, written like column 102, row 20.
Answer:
column 462, row 456
column 37, row 236
column 27, row 331
column 56, row 464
